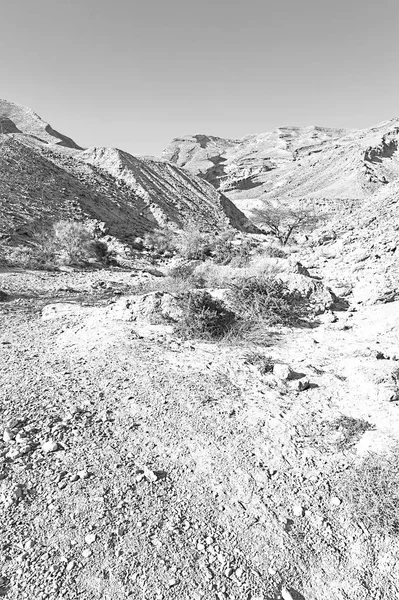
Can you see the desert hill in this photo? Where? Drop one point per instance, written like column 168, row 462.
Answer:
column 45, row 176
column 20, row 119
column 301, row 162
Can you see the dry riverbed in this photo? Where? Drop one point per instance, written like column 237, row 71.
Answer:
column 133, row 464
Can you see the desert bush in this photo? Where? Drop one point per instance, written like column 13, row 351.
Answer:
column 71, row 244
column 263, row 363
column 192, row 244
column 204, row 317
column 264, row 298
column 161, row 240
column 284, row 219
column 350, row 430
column 67, row 243
column 226, row 249
column 371, row 491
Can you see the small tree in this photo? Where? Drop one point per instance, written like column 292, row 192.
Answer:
column 283, row 220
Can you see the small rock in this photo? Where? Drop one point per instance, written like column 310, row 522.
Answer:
column 283, row 372
column 86, row 553
column 301, row 384
column 49, row 446
column 172, row 582
column 285, row 594
column 70, row 565
column 13, row 453
column 83, row 474
column 8, row 436
column 90, row 538
column 297, row 510
column 28, row 545
column 150, row 475
column 335, row 501
column 62, row 484
column 74, row 477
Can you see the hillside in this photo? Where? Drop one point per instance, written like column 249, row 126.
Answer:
column 310, row 162
column 20, row 119
column 45, row 176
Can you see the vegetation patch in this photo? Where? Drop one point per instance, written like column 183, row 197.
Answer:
column 204, row 317
column 265, row 299
column 67, row 243
column 263, row 363
column 371, row 490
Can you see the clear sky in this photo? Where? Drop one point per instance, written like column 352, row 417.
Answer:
column 136, row 73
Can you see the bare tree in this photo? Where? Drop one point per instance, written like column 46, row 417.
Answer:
column 285, row 219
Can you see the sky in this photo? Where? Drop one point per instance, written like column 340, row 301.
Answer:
column 135, row 74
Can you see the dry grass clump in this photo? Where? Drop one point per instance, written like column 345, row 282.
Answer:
column 204, row 317
column 371, row 490
column 264, row 299
column 263, row 363
column 161, row 240
column 67, row 243
column 350, row 430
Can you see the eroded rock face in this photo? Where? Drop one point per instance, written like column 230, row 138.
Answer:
column 294, row 162
column 146, row 308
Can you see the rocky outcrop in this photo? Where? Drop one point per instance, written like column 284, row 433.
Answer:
column 15, row 118
column 294, row 162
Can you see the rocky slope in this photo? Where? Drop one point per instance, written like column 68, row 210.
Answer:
column 20, row 119
column 310, row 162
column 45, row 176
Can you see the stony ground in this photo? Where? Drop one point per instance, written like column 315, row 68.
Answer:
column 136, row 465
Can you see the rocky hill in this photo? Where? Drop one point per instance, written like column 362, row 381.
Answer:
column 310, row 162
column 45, row 176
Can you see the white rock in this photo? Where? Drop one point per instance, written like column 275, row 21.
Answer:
column 49, row 446
column 8, row 436
column 285, row 594
column 90, row 538
column 297, row 510
column 335, row 501
column 86, row 553
column 283, row 372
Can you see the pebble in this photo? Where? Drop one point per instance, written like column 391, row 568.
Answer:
column 83, row 474
column 297, row 510
column 70, row 565
column 86, row 553
column 8, row 436
column 335, row 501
column 90, row 538
column 13, row 453
column 49, row 446
column 285, row 594
column 62, row 484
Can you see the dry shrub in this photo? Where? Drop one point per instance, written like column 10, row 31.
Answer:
column 67, row 243
column 264, row 300
column 161, row 240
column 263, row 363
column 204, row 317
column 371, row 491
column 192, row 244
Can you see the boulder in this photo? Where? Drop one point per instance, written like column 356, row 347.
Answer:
column 283, row 372
column 146, row 308
column 320, row 296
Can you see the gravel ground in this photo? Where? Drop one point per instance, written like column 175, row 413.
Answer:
column 145, row 467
